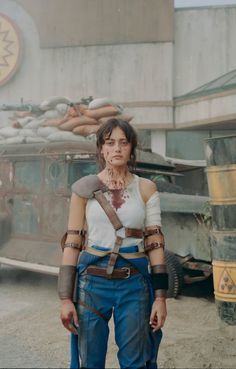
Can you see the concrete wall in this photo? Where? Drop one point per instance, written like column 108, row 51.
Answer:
column 139, row 75
column 95, row 22
column 144, row 75
column 204, row 47
column 28, row 75
column 24, row 84
column 209, row 111
column 123, row 72
column 158, row 141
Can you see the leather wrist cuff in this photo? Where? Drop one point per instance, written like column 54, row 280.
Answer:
column 160, row 281
column 160, row 294
column 159, row 268
column 66, row 281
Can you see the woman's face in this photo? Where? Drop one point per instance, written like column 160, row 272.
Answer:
column 116, row 150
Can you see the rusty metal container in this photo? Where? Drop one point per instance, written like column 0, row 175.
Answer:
column 221, row 176
column 221, row 150
column 222, row 184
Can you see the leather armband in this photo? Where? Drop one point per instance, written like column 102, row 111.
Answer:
column 151, row 232
column 73, row 245
column 66, row 281
column 76, row 245
column 153, row 245
column 157, row 243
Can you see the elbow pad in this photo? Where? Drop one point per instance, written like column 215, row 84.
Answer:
column 153, row 211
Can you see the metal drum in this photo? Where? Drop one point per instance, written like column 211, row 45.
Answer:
column 221, row 150
column 221, row 176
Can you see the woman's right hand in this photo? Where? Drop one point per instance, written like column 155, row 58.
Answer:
column 69, row 316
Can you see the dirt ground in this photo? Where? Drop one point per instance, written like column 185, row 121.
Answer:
column 31, row 335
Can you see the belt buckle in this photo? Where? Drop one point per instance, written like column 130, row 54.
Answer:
column 127, row 271
column 121, row 233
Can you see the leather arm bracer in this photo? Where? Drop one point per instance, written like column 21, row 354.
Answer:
column 160, row 280
column 66, row 282
column 155, row 243
column 76, row 245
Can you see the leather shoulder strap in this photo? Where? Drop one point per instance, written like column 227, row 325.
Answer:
column 115, row 221
column 110, row 212
column 86, row 186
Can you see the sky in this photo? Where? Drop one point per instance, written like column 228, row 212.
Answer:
column 190, row 3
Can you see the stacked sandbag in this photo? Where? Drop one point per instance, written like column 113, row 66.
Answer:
column 26, row 126
column 10, row 135
column 58, row 119
column 85, row 120
column 104, row 109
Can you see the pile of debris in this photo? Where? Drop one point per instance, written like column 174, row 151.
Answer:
column 59, row 119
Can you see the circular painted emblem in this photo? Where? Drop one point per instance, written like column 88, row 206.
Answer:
column 10, row 48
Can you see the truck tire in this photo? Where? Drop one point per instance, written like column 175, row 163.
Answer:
column 176, row 275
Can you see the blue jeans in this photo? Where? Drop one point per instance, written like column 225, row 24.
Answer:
column 128, row 301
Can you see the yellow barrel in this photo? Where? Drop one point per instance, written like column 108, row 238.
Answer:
column 224, row 276
column 222, row 184
column 221, row 177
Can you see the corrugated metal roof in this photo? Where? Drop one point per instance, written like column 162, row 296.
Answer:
column 225, row 82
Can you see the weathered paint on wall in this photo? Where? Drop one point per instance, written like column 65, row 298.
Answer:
column 123, row 72
column 27, row 77
column 207, row 111
column 158, row 141
column 203, row 51
column 139, row 74
column 204, row 46
column 100, row 22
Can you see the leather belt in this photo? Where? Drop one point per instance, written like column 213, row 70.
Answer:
column 131, row 232
column 118, row 273
column 125, row 255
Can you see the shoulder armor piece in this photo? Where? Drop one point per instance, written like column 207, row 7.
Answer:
column 86, row 186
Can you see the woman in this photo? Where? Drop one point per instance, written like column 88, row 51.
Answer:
column 113, row 266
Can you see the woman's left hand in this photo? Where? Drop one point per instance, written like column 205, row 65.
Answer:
column 158, row 314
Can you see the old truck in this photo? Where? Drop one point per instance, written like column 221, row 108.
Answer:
column 35, row 188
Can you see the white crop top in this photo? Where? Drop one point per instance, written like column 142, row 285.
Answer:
column 131, row 210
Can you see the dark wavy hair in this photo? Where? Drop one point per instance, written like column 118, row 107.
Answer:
column 105, row 132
